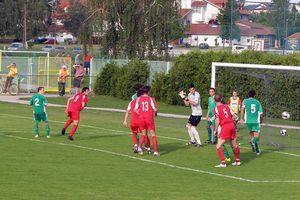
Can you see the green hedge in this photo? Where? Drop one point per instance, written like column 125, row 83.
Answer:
column 118, row 81
column 277, row 90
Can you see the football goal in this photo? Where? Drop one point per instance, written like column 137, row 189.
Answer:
column 277, row 88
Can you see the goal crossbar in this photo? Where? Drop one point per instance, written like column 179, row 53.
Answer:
column 214, row 65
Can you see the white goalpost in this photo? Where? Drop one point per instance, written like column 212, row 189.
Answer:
column 215, row 65
column 278, row 89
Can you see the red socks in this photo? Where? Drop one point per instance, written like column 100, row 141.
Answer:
column 142, row 139
column 237, row 153
column 134, row 138
column 68, row 123
column 221, row 154
column 147, row 141
column 73, row 130
column 154, row 143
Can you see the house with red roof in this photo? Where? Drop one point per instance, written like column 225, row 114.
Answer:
column 294, row 41
column 200, row 17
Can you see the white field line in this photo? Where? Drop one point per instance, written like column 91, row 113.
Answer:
column 176, row 116
column 129, row 133
column 154, row 162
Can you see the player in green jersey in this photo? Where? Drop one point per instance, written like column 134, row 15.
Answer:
column 39, row 102
column 252, row 114
column 210, row 117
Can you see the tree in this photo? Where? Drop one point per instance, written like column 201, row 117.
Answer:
column 12, row 17
column 133, row 28
column 279, row 15
column 227, row 17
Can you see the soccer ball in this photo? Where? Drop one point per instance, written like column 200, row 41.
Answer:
column 285, row 115
column 283, row 132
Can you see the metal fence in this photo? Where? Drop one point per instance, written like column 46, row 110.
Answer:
column 38, row 69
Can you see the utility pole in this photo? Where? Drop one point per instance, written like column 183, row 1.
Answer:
column 25, row 25
column 231, row 2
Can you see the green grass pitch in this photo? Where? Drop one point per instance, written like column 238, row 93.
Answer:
column 100, row 164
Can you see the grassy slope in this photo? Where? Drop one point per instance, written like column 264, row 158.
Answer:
column 57, row 170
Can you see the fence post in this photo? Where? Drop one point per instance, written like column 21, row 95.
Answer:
column 91, row 71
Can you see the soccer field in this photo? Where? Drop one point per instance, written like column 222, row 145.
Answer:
column 100, row 164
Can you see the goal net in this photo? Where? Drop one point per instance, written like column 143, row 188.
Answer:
column 278, row 90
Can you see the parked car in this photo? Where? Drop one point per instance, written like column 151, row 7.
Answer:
column 16, row 46
column 60, row 49
column 51, row 41
column 239, row 48
column 48, row 48
column 40, row 40
column 77, row 49
column 203, row 46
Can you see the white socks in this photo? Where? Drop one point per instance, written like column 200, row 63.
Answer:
column 195, row 134
column 191, row 134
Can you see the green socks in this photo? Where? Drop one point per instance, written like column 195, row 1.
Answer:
column 36, row 128
column 47, row 128
column 255, row 142
column 226, row 154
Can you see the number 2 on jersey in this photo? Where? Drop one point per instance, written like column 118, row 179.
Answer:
column 36, row 102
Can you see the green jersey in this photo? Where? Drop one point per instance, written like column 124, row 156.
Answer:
column 38, row 101
column 134, row 96
column 253, row 110
column 211, row 106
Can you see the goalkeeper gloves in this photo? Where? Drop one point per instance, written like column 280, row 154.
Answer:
column 182, row 94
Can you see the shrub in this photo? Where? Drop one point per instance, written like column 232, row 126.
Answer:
column 106, row 80
column 136, row 71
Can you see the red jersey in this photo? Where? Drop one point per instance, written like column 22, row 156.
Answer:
column 146, row 106
column 224, row 113
column 134, row 116
column 87, row 58
column 76, row 103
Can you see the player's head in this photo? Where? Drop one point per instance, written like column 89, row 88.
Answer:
column 234, row 93
column 14, row 64
column 145, row 89
column 211, row 91
column 218, row 98
column 191, row 88
column 139, row 93
column 41, row 90
column 64, row 67
column 137, row 86
column 85, row 90
column 251, row 93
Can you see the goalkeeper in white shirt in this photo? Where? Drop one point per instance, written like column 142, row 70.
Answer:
column 193, row 100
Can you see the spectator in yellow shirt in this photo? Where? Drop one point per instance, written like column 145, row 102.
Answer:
column 62, row 77
column 12, row 73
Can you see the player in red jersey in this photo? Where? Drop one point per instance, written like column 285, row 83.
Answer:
column 134, row 124
column 74, row 105
column 225, row 119
column 146, row 108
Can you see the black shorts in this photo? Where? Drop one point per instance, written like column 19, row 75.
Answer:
column 86, row 65
column 76, row 83
column 194, row 120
